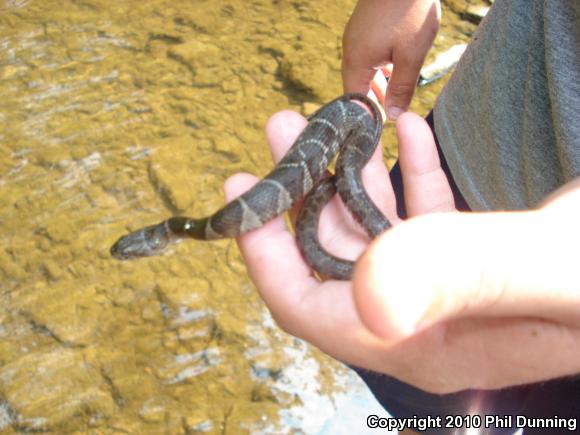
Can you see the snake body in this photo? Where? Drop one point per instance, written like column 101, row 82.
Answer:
column 341, row 125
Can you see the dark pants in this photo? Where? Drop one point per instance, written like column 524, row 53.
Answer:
column 559, row 397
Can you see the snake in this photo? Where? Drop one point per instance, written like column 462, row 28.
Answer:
column 349, row 126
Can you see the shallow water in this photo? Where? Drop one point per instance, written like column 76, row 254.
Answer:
column 115, row 115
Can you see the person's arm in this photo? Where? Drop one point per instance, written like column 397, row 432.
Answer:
column 379, row 32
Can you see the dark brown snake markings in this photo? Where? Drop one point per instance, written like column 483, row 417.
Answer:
column 341, row 125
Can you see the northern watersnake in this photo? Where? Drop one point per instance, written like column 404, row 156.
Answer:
column 344, row 126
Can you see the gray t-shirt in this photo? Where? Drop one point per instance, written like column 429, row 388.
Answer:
column 508, row 121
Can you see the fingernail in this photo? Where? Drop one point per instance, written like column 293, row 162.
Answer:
column 393, row 112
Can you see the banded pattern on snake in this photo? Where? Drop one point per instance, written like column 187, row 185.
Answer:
column 341, row 125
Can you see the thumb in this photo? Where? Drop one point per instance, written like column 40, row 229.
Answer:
column 402, row 84
column 357, row 77
column 446, row 266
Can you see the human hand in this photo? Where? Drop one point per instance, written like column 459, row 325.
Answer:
column 389, row 31
column 477, row 300
column 323, row 312
column 443, row 301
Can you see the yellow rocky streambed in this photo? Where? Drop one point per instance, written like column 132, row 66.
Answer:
column 113, row 115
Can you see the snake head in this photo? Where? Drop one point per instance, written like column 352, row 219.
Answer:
column 144, row 242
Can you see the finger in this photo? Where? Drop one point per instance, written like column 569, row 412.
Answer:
column 240, row 183
column 270, row 252
column 378, row 91
column 381, row 193
column 377, row 183
column 356, row 77
column 282, row 130
column 446, row 266
column 426, row 186
column 402, row 84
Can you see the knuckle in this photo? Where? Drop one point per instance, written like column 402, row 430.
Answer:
column 401, row 90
